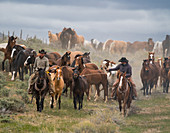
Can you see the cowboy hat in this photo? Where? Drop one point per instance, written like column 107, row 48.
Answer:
column 123, row 59
column 42, row 51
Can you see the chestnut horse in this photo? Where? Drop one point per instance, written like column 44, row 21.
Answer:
column 97, row 78
column 81, row 66
column 53, row 57
column 124, row 93
column 76, row 39
column 58, row 84
column 149, row 76
column 64, row 60
column 8, row 50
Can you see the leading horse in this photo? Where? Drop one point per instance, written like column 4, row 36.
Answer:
column 124, row 93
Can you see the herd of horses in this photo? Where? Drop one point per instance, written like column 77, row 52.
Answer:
column 75, row 70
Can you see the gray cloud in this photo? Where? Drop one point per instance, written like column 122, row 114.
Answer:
column 103, row 22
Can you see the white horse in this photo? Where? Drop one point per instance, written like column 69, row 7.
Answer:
column 158, row 49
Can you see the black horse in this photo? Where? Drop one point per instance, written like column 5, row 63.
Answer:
column 80, row 86
column 166, row 46
column 18, row 64
column 40, row 89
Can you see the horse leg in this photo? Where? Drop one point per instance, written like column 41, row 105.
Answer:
column 164, row 86
column 37, row 102
column 52, row 102
column 71, row 90
column 120, row 105
column 167, row 86
column 3, row 62
column 105, row 86
column 22, row 73
column 98, row 92
column 75, row 104
column 42, row 103
column 82, row 101
column 59, row 102
column 79, row 99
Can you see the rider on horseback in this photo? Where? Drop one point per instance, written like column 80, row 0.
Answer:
column 40, row 62
column 124, row 67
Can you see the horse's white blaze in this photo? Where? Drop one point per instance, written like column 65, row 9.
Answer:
column 12, row 54
column 104, row 62
column 120, row 83
column 13, row 75
column 151, row 55
column 58, row 74
column 25, row 63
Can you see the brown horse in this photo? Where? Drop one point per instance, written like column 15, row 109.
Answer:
column 76, row 39
column 124, row 93
column 58, row 84
column 81, row 66
column 65, row 37
column 64, row 60
column 53, row 38
column 165, row 73
column 53, row 57
column 119, row 47
column 73, row 54
column 106, row 46
column 149, row 76
column 8, row 50
column 96, row 77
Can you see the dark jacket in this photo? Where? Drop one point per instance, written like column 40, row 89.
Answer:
column 123, row 68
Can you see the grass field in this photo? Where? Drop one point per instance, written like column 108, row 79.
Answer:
column 147, row 115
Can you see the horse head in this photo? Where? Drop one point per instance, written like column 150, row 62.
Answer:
column 122, row 81
column 12, row 41
column 31, row 58
column 86, row 57
column 75, row 73
column 151, row 57
column 79, row 61
column 146, row 65
column 58, row 73
column 66, row 58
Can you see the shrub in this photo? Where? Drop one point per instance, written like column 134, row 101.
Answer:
column 4, row 92
column 11, row 104
column 24, row 95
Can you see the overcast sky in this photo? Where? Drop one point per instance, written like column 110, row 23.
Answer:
column 127, row 20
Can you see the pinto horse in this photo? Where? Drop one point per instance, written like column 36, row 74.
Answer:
column 58, row 84
column 40, row 89
column 124, row 93
column 8, row 50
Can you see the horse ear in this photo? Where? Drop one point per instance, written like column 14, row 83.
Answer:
column 88, row 53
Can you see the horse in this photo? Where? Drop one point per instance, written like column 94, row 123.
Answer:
column 81, row 66
column 8, row 50
column 3, row 46
column 53, row 57
column 80, row 86
column 19, row 63
column 40, row 89
column 97, row 78
column 141, row 45
column 53, row 38
column 65, row 37
column 148, row 76
column 76, row 39
column 119, row 47
column 111, row 76
column 29, row 62
column 96, row 44
column 64, row 60
column 86, row 58
column 67, row 77
column 58, row 84
column 124, row 93
column 106, row 45
column 165, row 73
column 157, row 49
column 166, row 46
column 73, row 54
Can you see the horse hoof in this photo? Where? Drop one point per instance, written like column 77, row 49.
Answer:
column 147, row 96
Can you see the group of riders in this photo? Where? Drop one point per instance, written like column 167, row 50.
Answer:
column 42, row 62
